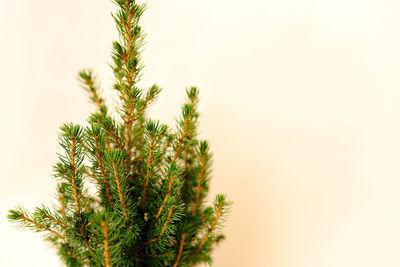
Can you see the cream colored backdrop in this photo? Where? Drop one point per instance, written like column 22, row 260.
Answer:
column 300, row 101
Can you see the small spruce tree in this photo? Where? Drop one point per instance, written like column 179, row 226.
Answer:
column 149, row 208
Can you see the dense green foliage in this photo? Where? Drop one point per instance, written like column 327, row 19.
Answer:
column 151, row 181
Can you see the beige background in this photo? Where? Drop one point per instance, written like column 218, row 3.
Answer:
column 300, row 100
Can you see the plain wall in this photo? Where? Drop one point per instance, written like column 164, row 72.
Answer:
column 299, row 99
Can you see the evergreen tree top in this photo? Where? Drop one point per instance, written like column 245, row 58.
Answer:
column 149, row 208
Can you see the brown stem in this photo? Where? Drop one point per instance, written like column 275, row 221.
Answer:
column 182, row 139
column 149, row 162
column 163, row 228
column 103, row 172
column 178, row 257
column 121, row 197
column 75, row 191
column 106, row 252
column 111, row 132
column 214, row 223
column 96, row 98
column 54, row 220
column 128, row 126
column 62, row 204
column 82, row 230
column 85, row 202
column 87, row 245
column 128, row 43
column 199, row 186
column 114, row 135
column 184, row 133
column 171, row 180
column 40, row 226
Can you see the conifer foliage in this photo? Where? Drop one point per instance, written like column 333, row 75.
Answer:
column 149, row 208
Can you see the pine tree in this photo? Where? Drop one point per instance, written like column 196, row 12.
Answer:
column 149, row 208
